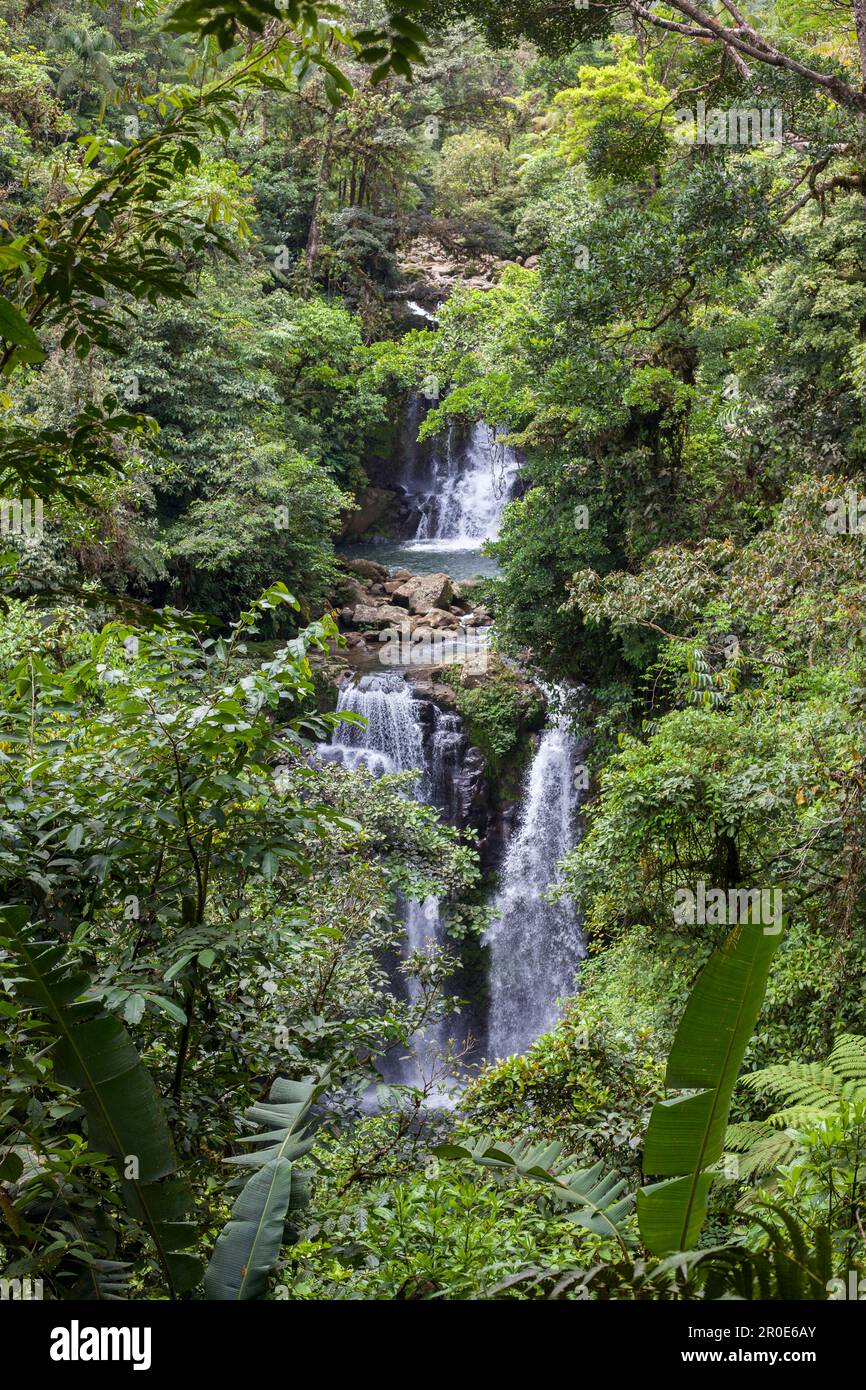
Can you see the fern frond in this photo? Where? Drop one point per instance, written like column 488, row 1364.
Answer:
column 812, row 1092
column 848, row 1059
column 812, row 1084
column 759, row 1148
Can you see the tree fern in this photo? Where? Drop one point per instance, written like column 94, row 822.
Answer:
column 811, row 1092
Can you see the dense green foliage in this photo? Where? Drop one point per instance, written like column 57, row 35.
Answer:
column 212, row 217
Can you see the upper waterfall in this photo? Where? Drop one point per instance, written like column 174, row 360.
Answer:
column 457, row 490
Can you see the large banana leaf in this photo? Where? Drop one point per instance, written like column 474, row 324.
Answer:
column 686, row 1134
column 589, row 1192
column 249, row 1245
column 95, row 1055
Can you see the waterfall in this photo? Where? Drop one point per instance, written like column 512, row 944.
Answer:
column 420, row 312
column 535, row 946
column 458, row 491
column 395, row 739
column 391, row 740
column 423, row 928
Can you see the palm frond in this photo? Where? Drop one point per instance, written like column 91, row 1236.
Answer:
column 95, row 1056
column 594, row 1196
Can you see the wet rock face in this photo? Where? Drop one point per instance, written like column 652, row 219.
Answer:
column 424, row 592
column 456, row 776
column 376, row 513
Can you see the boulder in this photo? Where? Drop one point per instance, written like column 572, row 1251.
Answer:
column 378, row 615
column 430, row 688
column 437, row 617
column 354, row 590
column 424, row 591
column 348, row 591
column 367, row 569
column 373, row 510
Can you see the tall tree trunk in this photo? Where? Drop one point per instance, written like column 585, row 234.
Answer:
column 860, row 26
column 314, row 234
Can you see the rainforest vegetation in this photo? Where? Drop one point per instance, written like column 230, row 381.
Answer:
column 213, row 218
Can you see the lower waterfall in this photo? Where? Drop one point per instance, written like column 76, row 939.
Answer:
column 393, row 740
column 535, row 946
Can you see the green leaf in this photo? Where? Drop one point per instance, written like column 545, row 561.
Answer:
column 167, row 1006
column 686, row 1134
column 95, row 1055
column 74, row 838
column 594, row 1197
column 14, row 328
column 249, row 1245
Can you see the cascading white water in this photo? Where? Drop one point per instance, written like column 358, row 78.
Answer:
column 391, row 740
column 535, row 946
column 420, row 312
column 459, row 501
column 423, row 930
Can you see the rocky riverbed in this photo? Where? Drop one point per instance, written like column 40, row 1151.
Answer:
column 405, row 621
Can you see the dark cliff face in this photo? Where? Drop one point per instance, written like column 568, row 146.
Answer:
column 459, row 785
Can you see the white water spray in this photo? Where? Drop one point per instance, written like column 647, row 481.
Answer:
column 461, row 494
column 535, row 946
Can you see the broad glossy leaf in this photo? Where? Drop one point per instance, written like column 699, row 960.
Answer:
column 686, row 1134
